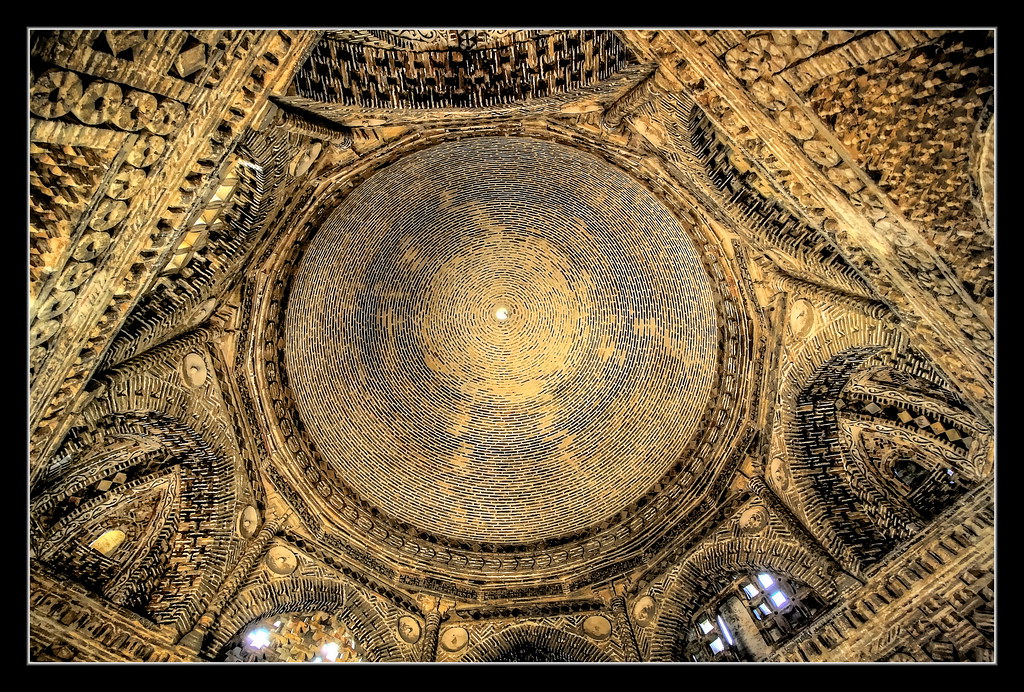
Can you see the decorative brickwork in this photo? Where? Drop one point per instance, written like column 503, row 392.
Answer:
column 69, row 623
column 461, row 77
column 736, row 549
column 359, row 614
column 909, row 119
column 511, row 345
column 934, row 602
column 491, row 291
column 441, row 549
column 766, row 120
column 532, row 643
column 856, row 471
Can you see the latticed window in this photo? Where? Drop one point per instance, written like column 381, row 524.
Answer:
column 713, row 632
column 779, row 606
column 753, row 613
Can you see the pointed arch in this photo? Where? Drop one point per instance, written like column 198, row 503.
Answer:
column 173, row 453
column 849, row 507
column 377, row 637
column 538, row 642
column 705, row 573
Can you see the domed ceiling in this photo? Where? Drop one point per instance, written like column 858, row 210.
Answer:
column 501, row 340
column 500, row 366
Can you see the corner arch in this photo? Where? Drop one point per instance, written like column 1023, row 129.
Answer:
column 535, row 643
column 702, row 576
column 302, row 594
column 852, row 511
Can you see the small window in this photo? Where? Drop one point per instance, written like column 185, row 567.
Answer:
column 724, row 629
column 258, row 638
column 909, row 471
column 712, row 637
column 315, row 637
column 778, row 606
column 109, row 542
column 330, row 651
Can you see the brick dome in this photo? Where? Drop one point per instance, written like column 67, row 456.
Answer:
column 501, row 339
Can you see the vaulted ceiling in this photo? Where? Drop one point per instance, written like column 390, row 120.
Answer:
column 515, row 318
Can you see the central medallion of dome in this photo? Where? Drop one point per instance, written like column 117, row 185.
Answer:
column 501, row 339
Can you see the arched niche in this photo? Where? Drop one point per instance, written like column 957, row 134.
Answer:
column 703, row 578
column 375, row 637
column 881, row 445
column 535, row 643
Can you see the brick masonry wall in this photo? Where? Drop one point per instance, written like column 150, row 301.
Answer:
column 934, row 601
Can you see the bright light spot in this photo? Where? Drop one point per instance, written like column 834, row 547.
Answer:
column 108, row 542
column 717, row 646
column 750, row 590
column 501, row 314
column 330, row 651
column 705, row 626
column 317, row 659
column 259, row 638
column 277, row 624
column 779, row 599
column 725, row 631
column 765, row 579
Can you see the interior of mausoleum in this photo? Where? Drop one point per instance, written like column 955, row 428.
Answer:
column 511, row 345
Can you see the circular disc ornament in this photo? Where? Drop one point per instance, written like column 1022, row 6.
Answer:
column 753, row 519
column 454, row 638
column 194, row 370
column 281, row 561
column 597, row 627
column 802, row 318
column 644, row 611
column 248, row 522
column 409, row 629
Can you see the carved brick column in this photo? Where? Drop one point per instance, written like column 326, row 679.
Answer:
column 428, row 651
column 781, row 281
column 612, row 118
column 622, row 621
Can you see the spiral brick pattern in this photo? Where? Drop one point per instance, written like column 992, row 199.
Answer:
column 501, row 339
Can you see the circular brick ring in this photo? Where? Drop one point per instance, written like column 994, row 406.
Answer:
column 501, row 339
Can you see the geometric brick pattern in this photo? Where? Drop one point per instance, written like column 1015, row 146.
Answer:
column 934, row 602
column 501, row 339
column 112, row 198
column 910, row 119
column 535, row 643
column 765, row 218
column 930, row 424
column 371, row 620
column 821, row 452
column 370, row 76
